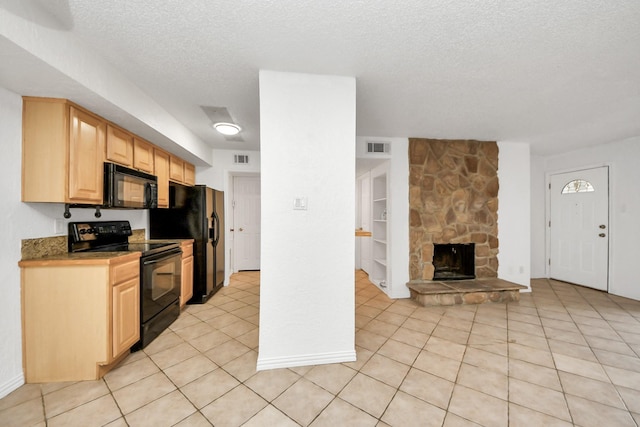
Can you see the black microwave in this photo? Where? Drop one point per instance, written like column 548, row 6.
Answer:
column 129, row 188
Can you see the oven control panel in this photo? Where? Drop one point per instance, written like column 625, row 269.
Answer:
column 98, row 230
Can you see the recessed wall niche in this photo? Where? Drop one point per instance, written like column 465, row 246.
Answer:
column 453, row 198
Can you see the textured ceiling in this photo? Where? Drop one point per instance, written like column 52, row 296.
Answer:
column 557, row 74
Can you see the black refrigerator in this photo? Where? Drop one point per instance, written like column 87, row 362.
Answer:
column 195, row 213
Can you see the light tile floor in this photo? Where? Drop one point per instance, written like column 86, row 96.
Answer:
column 564, row 355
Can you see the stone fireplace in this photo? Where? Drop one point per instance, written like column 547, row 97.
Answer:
column 453, row 199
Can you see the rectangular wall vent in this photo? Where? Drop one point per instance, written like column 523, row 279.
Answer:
column 378, row 147
column 241, row 159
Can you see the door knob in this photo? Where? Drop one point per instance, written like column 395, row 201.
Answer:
column 601, row 234
column 240, row 229
column 602, row 226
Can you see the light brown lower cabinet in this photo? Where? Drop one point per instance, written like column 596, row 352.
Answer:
column 80, row 317
column 186, row 291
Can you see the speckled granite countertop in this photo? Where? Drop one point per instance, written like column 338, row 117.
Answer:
column 56, row 248
column 53, row 250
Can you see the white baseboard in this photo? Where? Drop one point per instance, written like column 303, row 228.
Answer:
column 265, row 363
column 11, row 385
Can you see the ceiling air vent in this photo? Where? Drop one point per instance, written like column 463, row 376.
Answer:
column 241, row 159
column 378, row 147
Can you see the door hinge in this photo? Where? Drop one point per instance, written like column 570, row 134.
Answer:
column 233, row 203
column 549, row 261
column 549, row 186
column 549, row 223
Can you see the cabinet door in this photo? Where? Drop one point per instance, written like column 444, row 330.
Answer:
column 176, row 169
column 187, row 280
column 119, row 146
column 86, row 157
column 126, row 315
column 142, row 155
column 161, row 160
column 189, row 174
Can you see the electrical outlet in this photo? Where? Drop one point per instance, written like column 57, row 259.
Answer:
column 59, row 226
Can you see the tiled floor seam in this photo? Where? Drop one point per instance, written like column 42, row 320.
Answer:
column 510, row 378
column 555, row 367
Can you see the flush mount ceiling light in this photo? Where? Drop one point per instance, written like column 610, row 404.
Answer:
column 227, row 128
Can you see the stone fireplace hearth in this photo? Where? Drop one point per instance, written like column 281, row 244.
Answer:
column 453, row 198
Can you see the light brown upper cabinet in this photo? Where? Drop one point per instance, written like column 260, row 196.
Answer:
column 142, row 155
column 189, row 174
column 176, row 169
column 119, row 146
column 161, row 161
column 63, row 150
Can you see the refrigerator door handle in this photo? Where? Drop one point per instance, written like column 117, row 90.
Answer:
column 216, row 220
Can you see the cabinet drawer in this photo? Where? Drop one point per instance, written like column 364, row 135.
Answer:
column 124, row 271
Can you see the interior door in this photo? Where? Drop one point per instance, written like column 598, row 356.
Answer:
column 246, row 223
column 579, row 227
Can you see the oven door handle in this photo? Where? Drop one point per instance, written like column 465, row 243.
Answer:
column 164, row 256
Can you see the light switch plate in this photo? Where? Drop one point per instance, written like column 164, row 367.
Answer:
column 300, row 203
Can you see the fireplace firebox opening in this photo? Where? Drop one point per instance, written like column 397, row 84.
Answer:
column 454, row 261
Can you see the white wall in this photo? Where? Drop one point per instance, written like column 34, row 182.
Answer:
column 624, row 228
column 514, row 231
column 219, row 176
column 25, row 221
column 398, row 200
column 307, row 305
column 538, row 220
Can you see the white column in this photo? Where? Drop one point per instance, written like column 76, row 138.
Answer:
column 307, row 134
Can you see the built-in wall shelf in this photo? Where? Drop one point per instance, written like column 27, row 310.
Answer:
column 380, row 217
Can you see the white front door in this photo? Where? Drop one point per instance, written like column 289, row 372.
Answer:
column 246, row 223
column 579, row 227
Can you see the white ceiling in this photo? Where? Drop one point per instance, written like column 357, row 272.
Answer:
column 557, row 74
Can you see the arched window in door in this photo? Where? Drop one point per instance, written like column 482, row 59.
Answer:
column 578, row 186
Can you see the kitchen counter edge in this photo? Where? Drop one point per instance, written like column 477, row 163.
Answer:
column 81, row 258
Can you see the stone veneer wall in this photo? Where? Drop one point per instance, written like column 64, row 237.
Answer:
column 453, row 198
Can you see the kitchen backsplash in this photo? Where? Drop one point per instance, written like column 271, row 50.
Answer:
column 44, row 246
column 47, row 246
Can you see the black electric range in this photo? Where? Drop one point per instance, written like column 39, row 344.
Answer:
column 160, row 271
